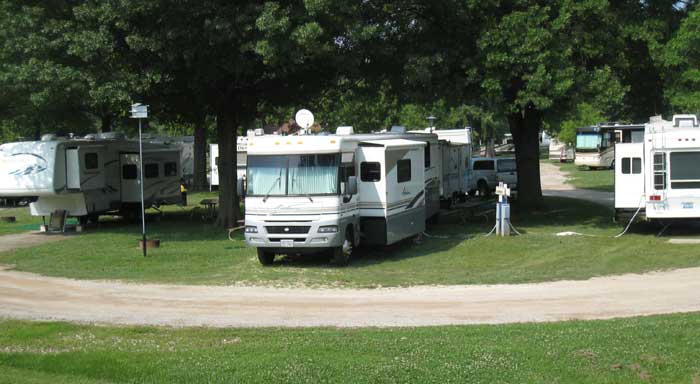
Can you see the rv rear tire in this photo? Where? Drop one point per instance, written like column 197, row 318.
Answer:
column 265, row 257
column 341, row 255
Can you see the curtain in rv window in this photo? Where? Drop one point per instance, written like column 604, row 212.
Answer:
column 313, row 174
column 267, row 175
column 685, row 173
column 588, row 140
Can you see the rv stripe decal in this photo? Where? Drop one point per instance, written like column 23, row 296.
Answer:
column 415, row 199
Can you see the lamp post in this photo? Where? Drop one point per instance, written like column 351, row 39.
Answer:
column 140, row 111
column 431, row 119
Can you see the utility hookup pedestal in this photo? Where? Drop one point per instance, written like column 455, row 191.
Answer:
column 503, row 210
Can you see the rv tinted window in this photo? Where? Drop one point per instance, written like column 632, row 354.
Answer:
column 371, row 172
column 150, row 171
column 483, row 165
column 403, row 170
column 636, row 165
column 129, row 171
column 91, row 161
column 626, row 165
column 427, row 155
column 170, row 169
column 685, row 173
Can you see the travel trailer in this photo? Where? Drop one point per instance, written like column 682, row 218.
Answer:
column 595, row 145
column 186, row 145
column 455, row 147
column 658, row 176
column 559, row 151
column 241, row 149
column 313, row 193
column 90, row 176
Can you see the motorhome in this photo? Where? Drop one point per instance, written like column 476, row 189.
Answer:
column 241, row 149
column 659, row 176
column 595, row 145
column 90, row 176
column 314, row 193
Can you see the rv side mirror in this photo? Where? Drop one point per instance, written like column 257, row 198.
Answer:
column 351, row 186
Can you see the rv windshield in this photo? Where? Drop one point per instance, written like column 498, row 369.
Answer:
column 588, row 140
column 302, row 175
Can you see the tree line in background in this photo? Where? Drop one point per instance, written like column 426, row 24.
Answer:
column 213, row 68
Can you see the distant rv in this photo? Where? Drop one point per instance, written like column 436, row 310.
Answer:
column 658, row 176
column 241, row 156
column 595, row 145
column 90, row 176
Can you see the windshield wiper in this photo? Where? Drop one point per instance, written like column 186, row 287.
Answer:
column 279, row 178
column 294, row 180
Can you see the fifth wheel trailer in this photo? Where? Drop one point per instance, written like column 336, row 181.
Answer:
column 658, row 177
column 313, row 193
column 88, row 177
column 241, row 148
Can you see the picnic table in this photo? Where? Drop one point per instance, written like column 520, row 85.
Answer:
column 209, row 208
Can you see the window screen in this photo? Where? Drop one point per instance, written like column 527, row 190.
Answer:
column 150, row 171
column 170, row 169
column 370, row 171
column 483, row 165
column 403, row 170
column 91, row 161
column 631, row 165
column 685, row 172
column 129, row 171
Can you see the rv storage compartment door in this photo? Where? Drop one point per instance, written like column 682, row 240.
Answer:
column 72, row 169
column 629, row 175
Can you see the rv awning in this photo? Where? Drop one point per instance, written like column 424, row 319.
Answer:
column 393, row 143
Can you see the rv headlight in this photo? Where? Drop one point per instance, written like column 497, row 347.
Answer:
column 251, row 229
column 328, row 229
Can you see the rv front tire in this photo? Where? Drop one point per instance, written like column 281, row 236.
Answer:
column 265, row 257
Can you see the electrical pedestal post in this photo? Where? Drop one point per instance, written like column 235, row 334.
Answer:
column 503, row 210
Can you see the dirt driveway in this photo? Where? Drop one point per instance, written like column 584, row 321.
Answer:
column 30, row 296
column 554, row 184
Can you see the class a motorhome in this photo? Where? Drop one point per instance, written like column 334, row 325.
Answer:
column 312, row 193
column 89, row 176
column 241, row 149
column 658, row 176
column 595, row 145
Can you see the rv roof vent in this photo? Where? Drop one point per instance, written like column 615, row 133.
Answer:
column 398, row 129
column 110, row 136
column 685, row 121
column 344, row 130
column 49, row 137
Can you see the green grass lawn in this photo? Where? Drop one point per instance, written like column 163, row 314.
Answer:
column 659, row 349
column 584, row 178
column 194, row 252
column 24, row 221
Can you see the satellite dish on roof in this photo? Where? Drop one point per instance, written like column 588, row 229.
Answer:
column 304, row 118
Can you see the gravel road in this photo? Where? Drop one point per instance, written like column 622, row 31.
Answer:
column 554, row 184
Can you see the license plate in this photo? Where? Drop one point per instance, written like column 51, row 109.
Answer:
column 687, row 205
column 287, row 243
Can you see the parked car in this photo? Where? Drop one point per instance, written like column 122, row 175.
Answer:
column 507, row 172
column 483, row 176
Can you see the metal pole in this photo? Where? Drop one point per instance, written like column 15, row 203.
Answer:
column 143, row 208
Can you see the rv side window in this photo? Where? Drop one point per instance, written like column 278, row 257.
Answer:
column 427, row 155
column 636, row 165
column 150, row 171
column 371, row 172
column 170, row 169
column 129, row 171
column 660, row 171
column 91, row 161
column 483, row 165
column 626, row 165
column 403, row 170
column 685, row 173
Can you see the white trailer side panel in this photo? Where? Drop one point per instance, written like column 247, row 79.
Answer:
column 629, row 176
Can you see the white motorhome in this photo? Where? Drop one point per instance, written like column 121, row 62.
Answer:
column 88, row 177
column 595, row 145
column 241, row 149
column 659, row 176
column 312, row 193
column 559, row 151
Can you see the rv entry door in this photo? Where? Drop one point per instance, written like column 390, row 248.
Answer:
column 72, row 169
column 629, row 175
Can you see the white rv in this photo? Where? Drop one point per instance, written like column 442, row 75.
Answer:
column 241, row 149
column 88, row 177
column 312, row 193
column 660, row 175
column 559, row 151
column 595, row 147
column 186, row 145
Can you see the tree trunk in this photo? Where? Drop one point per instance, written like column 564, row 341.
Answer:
column 525, row 127
column 106, row 123
column 200, row 154
column 226, row 126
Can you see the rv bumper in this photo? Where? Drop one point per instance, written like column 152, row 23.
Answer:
column 294, row 237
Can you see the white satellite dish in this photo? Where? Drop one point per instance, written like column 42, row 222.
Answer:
column 304, row 118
